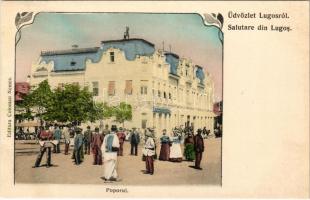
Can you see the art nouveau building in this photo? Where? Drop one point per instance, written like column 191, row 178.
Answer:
column 164, row 90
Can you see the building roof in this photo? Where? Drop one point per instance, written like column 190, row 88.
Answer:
column 173, row 60
column 70, row 51
column 132, row 47
column 75, row 59
column 71, row 59
column 128, row 40
column 200, row 74
column 21, row 89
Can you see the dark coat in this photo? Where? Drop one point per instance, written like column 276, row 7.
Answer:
column 135, row 138
column 198, row 143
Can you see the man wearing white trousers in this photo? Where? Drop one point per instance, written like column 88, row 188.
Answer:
column 109, row 149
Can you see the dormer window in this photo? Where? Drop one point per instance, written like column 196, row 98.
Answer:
column 112, row 57
column 72, row 63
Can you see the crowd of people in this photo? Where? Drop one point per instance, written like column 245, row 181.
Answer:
column 107, row 145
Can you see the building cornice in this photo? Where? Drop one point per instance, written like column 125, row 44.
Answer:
column 60, row 73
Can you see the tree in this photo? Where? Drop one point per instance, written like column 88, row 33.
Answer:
column 100, row 111
column 122, row 113
column 37, row 102
column 73, row 104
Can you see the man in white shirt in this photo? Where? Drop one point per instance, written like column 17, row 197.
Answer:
column 149, row 152
column 109, row 149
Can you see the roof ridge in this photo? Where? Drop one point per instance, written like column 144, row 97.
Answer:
column 70, row 51
column 130, row 39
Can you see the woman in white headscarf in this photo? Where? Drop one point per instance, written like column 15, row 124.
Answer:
column 175, row 149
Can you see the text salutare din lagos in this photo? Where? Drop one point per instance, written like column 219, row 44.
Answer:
column 269, row 16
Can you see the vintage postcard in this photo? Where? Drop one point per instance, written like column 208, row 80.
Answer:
column 154, row 99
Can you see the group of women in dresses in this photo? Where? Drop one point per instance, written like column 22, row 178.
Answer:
column 171, row 147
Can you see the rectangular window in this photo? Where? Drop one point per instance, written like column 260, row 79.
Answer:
column 95, row 88
column 111, row 88
column 143, row 88
column 143, row 123
column 128, row 87
column 112, row 57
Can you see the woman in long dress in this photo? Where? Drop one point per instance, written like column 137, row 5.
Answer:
column 189, row 151
column 165, row 146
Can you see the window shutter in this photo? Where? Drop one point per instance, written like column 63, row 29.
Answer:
column 128, row 87
column 111, row 88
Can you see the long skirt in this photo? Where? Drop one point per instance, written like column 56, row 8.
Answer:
column 110, row 161
column 175, row 153
column 189, row 152
column 164, row 152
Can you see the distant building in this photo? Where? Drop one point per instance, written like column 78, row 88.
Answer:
column 21, row 90
column 218, row 119
column 164, row 90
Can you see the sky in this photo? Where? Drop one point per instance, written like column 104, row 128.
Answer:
column 185, row 33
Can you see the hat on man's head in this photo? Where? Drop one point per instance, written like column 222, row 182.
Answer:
column 113, row 128
column 78, row 130
column 148, row 134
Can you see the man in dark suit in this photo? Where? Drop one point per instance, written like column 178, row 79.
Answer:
column 134, row 141
column 87, row 140
column 96, row 143
column 199, row 149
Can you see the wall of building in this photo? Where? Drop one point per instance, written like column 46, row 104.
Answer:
column 187, row 98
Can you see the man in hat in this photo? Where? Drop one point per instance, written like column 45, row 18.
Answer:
column 78, row 146
column 57, row 136
column 87, row 140
column 149, row 152
column 96, row 143
column 45, row 138
column 199, row 149
column 134, row 141
column 121, row 137
column 106, row 130
column 67, row 139
column 110, row 148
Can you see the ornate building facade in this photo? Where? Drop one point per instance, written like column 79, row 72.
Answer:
column 164, row 90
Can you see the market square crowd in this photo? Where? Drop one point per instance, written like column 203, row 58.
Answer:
column 107, row 145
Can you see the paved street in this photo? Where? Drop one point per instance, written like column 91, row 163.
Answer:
column 129, row 168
